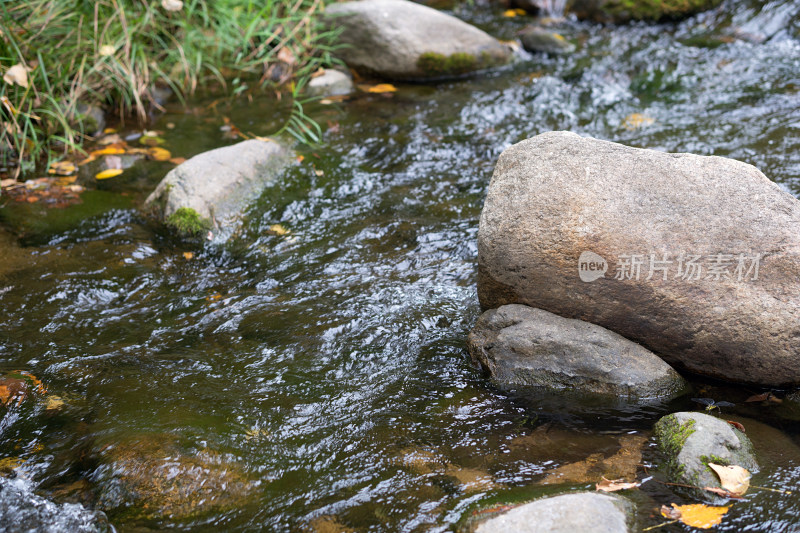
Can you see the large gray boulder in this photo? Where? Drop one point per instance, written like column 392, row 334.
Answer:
column 213, row 188
column 696, row 258
column 520, row 345
column 689, row 441
column 402, row 40
column 567, row 513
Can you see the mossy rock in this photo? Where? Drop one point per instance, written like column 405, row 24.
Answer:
column 621, row 11
column 188, row 222
column 689, row 441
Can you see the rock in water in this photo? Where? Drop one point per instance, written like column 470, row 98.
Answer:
column 540, row 40
column 330, row 83
column 689, row 441
column 567, row 513
column 211, row 190
column 521, row 345
column 618, row 11
column 696, row 258
column 402, row 40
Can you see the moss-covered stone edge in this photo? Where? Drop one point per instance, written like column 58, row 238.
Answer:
column 654, row 10
column 187, row 222
column 436, row 65
column 671, row 436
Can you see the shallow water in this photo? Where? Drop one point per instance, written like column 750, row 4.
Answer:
column 326, row 370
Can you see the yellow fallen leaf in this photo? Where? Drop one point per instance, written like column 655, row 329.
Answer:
column 382, row 88
column 513, row 12
column 110, row 173
column 109, row 130
column 109, row 150
column 613, row 485
column 18, row 74
column 62, row 168
column 733, row 478
column 319, row 173
column 188, row 255
column 66, row 180
column 634, row 121
column 277, row 229
column 300, row 158
column 697, row 515
column 159, row 154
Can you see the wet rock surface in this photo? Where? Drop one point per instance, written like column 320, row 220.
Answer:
column 521, row 345
column 678, row 252
column 541, row 40
column 217, row 186
column 567, row 513
column 402, row 40
column 689, row 441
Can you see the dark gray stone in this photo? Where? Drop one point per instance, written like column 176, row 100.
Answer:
column 520, row 345
column 689, row 441
column 540, row 40
column 567, row 513
column 403, row 40
column 558, row 196
column 221, row 183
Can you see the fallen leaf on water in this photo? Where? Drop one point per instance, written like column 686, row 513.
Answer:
column 613, row 485
column 635, row 121
column 188, row 255
column 379, row 88
column 172, row 5
column 177, row 160
column 159, row 154
column 319, row 173
column 513, row 12
column 110, row 173
column 696, row 515
column 722, row 492
column 112, row 138
column 764, row 397
column 109, row 150
column 62, row 168
column 277, row 229
column 64, row 181
column 8, row 464
column 300, row 158
column 733, row 478
column 18, row 74
column 737, row 425
column 214, row 297
column 54, row 403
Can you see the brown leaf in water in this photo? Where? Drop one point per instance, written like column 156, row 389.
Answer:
column 609, row 485
column 737, row 425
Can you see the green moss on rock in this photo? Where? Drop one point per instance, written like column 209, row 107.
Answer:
column 435, row 64
column 623, row 10
column 671, row 436
column 188, row 222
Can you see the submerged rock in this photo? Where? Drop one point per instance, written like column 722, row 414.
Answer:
column 696, row 258
column 152, row 478
column 331, row 83
column 23, row 510
column 620, row 11
column 689, row 441
column 520, row 345
column 211, row 190
column 567, row 513
column 540, row 40
column 403, row 40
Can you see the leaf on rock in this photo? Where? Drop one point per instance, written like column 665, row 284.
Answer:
column 696, row 515
column 722, row 492
column 733, row 478
column 18, row 74
column 110, row 173
column 613, row 485
column 737, row 425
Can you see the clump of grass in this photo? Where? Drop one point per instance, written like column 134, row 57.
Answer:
column 188, row 222
column 114, row 53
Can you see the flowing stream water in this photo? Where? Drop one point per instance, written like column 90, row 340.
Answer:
column 319, row 381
